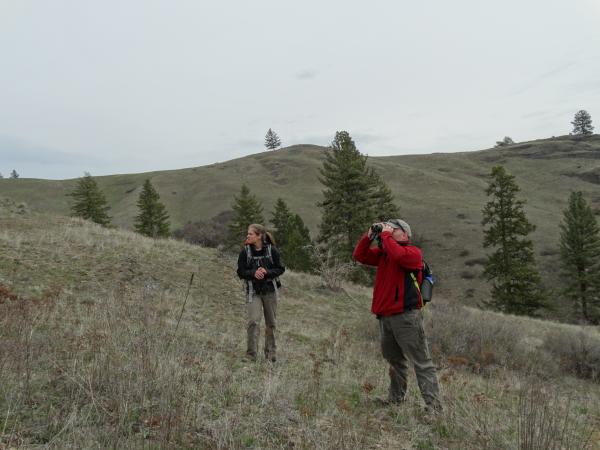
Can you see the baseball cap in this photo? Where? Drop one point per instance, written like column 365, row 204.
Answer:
column 399, row 223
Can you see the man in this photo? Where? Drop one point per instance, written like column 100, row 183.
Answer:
column 397, row 303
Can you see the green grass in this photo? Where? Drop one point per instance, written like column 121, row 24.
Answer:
column 90, row 357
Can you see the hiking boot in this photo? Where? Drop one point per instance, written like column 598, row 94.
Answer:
column 249, row 357
column 433, row 410
column 386, row 401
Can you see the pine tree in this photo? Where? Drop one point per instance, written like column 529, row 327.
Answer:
column 516, row 284
column 152, row 220
column 296, row 253
column 272, row 141
column 247, row 210
column 382, row 199
column 89, row 201
column 504, row 142
column 14, row 174
column 582, row 123
column 580, row 256
column 281, row 218
column 292, row 236
column 347, row 208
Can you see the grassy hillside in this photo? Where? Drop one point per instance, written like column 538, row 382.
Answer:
column 100, row 352
column 440, row 195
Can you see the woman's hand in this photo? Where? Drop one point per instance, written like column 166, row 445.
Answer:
column 260, row 273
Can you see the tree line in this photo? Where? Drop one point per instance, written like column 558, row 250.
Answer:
column 354, row 196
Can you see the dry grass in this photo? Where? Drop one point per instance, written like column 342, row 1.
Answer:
column 93, row 356
column 442, row 201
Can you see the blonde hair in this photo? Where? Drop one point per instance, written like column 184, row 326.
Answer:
column 264, row 234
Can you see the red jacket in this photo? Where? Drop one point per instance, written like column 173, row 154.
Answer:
column 395, row 290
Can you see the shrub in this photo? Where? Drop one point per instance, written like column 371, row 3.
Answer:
column 467, row 275
column 475, row 262
column 547, row 421
column 578, row 352
column 461, row 332
column 208, row 234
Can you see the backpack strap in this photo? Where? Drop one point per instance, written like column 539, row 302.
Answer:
column 249, row 286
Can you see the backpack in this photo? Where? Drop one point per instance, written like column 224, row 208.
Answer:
column 427, row 282
column 268, row 255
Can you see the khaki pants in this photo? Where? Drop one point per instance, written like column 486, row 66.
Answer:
column 403, row 340
column 262, row 304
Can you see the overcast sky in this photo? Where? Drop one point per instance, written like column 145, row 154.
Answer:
column 136, row 85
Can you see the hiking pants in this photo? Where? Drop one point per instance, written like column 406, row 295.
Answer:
column 262, row 304
column 403, row 340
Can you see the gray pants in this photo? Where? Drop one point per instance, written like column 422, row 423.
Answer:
column 403, row 340
column 262, row 304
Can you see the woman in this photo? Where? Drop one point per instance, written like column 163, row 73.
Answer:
column 259, row 264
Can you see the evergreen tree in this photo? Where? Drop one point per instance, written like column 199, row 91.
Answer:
column 247, row 210
column 272, row 141
column 292, row 237
column 504, row 142
column 580, row 256
column 89, row 201
column 14, row 174
column 152, row 220
column 347, row 204
column 281, row 220
column 516, row 284
column 296, row 253
column 383, row 199
column 582, row 123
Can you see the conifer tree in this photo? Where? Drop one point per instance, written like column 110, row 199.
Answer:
column 152, row 220
column 296, row 253
column 14, row 174
column 383, row 199
column 247, row 210
column 89, row 201
column 504, row 142
column 281, row 218
column 582, row 123
column 516, row 284
column 347, row 209
column 292, row 236
column 272, row 141
column 580, row 257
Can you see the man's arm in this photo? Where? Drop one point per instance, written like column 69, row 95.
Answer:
column 407, row 256
column 364, row 254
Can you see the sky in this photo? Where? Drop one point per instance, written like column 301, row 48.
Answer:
column 132, row 86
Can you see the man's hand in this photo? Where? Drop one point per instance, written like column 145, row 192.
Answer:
column 260, row 273
column 387, row 227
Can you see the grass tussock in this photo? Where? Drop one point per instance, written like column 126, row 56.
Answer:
column 101, row 349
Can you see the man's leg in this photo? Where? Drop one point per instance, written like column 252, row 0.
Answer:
column 254, row 310
column 270, row 308
column 416, row 349
column 394, row 355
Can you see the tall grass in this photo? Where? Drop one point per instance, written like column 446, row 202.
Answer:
column 98, row 351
